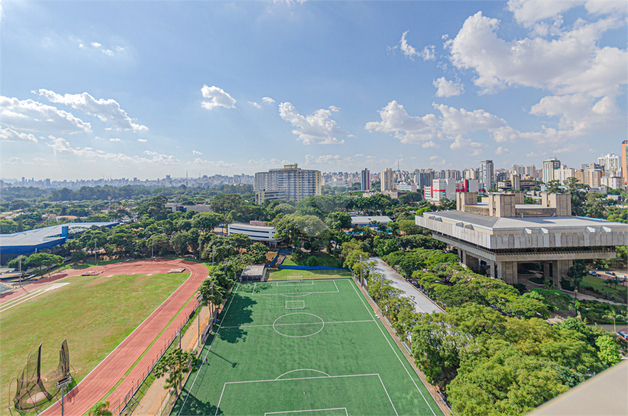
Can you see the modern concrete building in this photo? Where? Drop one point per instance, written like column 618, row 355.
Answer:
column 387, row 180
column 610, row 163
column 549, row 166
column 262, row 233
column 486, row 175
column 365, row 180
column 624, row 161
column 441, row 188
column 500, row 234
column 291, row 182
column 366, row 220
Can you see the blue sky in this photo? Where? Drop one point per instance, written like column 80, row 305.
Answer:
column 149, row 88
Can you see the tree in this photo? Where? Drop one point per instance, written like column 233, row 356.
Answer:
column 577, row 272
column 100, row 409
column 609, row 351
column 175, row 364
column 612, row 314
column 206, row 221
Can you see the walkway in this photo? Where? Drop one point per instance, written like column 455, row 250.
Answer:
column 422, row 303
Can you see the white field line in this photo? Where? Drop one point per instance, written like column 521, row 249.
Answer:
column 253, row 292
column 297, row 304
column 391, row 403
column 304, row 323
column 308, row 410
column 302, row 369
column 28, row 296
column 299, row 378
column 296, row 283
column 391, row 347
column 210, row 346
column 296, row 294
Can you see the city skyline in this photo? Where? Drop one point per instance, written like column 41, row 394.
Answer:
column 151, row 89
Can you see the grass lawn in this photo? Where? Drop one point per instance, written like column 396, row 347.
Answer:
column 94, row 313
column 323, row 259
column 618, row 294
column 308, row 274
column 308, row 348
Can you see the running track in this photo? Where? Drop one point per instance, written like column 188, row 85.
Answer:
column 105, row 376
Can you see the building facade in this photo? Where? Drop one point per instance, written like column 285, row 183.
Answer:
column 624, row 161
column 291, row 182
column 365, row 180
column 387, row 180
column 486, row 174
column 549, row 166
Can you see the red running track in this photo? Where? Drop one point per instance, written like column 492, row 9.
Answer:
column 105, row 376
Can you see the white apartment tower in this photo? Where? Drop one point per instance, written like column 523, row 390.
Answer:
column 386, row 180
column 549, row 166
column 291, row 182
column 486, row 175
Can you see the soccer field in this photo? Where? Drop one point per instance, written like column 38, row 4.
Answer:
column 303, row 348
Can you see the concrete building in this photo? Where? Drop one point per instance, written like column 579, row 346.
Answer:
column 593, row 174
column 610, row 163
column 183, row 208
column 291, row 182
column 486, row 177
column 366, row 220
column 405, row 187
column 501, row 234
column 365, row 180
column 387, row 180
column 441, row 188
column 549, row 166
column 563, row 173
column 423, row 178
column 624, row 161
column 255, row 231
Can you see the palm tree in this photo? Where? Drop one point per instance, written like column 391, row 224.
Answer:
column 614, row 316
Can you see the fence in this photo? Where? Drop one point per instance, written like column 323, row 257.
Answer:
column 312, row 268
column 125, row 406
column 272, row 263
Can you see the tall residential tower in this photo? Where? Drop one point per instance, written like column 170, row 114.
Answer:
column 291, row 182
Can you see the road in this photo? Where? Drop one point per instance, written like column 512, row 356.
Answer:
column 422, row 303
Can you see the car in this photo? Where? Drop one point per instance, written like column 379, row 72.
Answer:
column 621, row 276
column 610, row 273
column 623, row 334
column 592, row 273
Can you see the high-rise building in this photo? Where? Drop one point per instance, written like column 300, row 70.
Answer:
column 386, row 180
column 548, row 169
column 486, row 175
column 563, row 173
column 291, row 182
column 610, row 163
column 531, row 171
column 423, row 179
column 624, row 161
column 365, row 180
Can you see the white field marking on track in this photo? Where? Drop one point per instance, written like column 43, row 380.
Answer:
column 312, row 323
column 391, row 403
column 300, row 378
column 308, row 410
column 391, row 347
column 302, row 369
column 207, row 353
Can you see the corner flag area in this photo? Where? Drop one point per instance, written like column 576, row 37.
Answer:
column 303, row 348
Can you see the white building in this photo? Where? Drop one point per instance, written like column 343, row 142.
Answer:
column 387, row 180
column 610, row 162
column 291, row 182
column 264, row 233
column 407, row 187
column 549, row 166
column 441, row 188
column 563, row 173
column 486, row 175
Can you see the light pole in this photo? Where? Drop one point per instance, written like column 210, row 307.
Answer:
column 152, row 246
column 95, row 255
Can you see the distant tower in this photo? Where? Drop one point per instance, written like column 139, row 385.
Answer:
column 386, row 180
column 486, row 174
column 365, row 180
column 624, row 161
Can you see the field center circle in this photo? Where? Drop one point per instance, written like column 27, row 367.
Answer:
column 298, row 325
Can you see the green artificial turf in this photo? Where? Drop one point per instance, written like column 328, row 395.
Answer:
column 283, row 274
column 325, row 355
column 94, row 313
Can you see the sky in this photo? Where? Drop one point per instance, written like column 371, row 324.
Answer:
column 92, row 89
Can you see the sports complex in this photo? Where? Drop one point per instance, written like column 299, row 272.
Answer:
column 306, row 348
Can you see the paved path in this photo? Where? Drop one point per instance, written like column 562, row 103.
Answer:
column 421, row 302
column 113, row 368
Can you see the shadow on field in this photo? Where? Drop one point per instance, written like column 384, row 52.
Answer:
column 197, row 407
column 240, row 313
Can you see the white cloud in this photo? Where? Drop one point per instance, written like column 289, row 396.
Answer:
column 142, row 140
column 447, row 88
column 317, row 128
column 573, row 148
column 268, row 100
column 407, row 129
column 31, row 115
column 219, row 164
column 426, row 54
column 433, row 157
column 461, row 121
column 63, row 147
column 108, row 111
column 254, row 104
column 501, row 151
column 115, row 140
column 218, row 97
column 195, row 152
column 430, row 144
column 9, row 135
column 327, row 160
column 528, row 12
column 473, row 148
column 572, row 63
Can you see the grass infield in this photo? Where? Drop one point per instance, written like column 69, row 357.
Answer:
column 283, row 274
column 333, row 357
column 94, row 313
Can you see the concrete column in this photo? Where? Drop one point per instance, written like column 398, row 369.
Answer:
column 500, row 270
column 509, row 272
column 546, row 271
column 473, row 263
column 492, row 269
column 562, row 270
